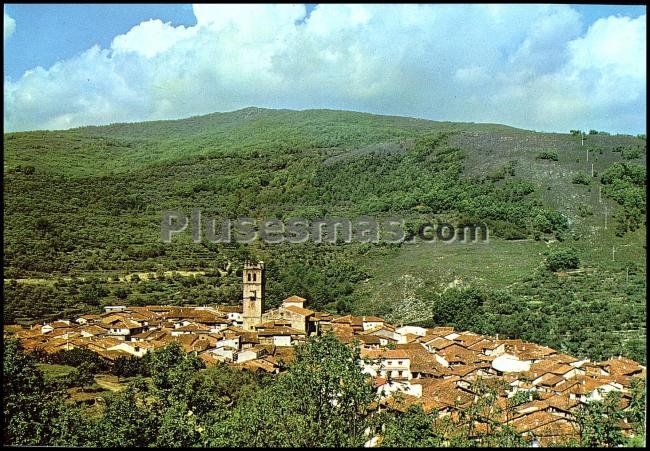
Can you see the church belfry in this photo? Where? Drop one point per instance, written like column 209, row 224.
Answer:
column 253, row 297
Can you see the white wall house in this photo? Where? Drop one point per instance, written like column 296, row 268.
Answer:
column 386, row 336
column 47, row 328
column 389, row 388
column 225, row 353
column 414, row 330
column 388, row 364
column 132, row 348
column 235, row 317
column 124, row 329
column 282, row 340
column 233, row 342
column 215, row 328
column 508, row 363
column 370, row 322
column 250, row 354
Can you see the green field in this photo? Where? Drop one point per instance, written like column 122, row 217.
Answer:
column 53, row 371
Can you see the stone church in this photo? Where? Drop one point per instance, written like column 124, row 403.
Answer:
column 290, row 319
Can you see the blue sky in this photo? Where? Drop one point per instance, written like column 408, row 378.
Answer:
column 546, row 67
column 78, row 27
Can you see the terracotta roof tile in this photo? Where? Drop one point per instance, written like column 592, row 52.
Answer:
column 384, row 354
column 299, row 310
column 422, row 361
column 294, row 298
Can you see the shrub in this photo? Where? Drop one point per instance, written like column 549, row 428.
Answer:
column 585, row 210
column 563, row 258
column 631, row 154
column 548, row 156
column 581, row 179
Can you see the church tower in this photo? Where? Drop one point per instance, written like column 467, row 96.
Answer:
column 253, row 301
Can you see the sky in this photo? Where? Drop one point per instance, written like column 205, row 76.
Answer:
column 540, row 67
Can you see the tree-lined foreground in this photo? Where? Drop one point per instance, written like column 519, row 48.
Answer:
column 322, row 399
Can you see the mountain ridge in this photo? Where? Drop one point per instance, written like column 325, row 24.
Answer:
column 253, row 111
column 83, row 209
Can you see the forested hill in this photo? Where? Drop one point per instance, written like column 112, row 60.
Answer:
column 565, row 265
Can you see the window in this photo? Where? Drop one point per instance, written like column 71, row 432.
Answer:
column 254, row 277
column 249, row 277
column 399, row 363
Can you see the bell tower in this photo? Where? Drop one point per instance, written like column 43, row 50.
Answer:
column 253, row 297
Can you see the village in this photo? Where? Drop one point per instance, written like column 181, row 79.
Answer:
column 436, row 368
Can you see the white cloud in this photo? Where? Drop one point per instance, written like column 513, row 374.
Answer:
column 525, row 65
column 10, row 26
column 151, row 38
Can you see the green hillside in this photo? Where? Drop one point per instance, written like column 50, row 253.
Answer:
column 83, row 209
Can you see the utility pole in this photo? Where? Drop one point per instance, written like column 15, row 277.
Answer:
column 582, row 138
column 605, row 217
column 592, row 169
column 612, row 253
column 587, row 155
column 600, row 197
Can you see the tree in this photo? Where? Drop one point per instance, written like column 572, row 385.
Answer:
column 562, row 258
column 221, row 387
column 548, row 156
column 127, row 366
column 121, row 293
column 598, row 422
column 460, row 308
column 581, row 179
column 170, row 369
column 178, row 427
column 636, row 413
column 127, row 421
column 44, row 225
column 77, row 356
column 413, row 428
column 34, row 412
column 83, row 375
column 322, row 400
column 92, row 292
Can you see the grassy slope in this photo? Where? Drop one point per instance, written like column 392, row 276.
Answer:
column 267, row 162
column 53, row 371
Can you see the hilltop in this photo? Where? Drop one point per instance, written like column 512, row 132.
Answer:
column 82, row 212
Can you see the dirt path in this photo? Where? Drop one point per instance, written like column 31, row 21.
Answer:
column 127, row 278
column 109, row 383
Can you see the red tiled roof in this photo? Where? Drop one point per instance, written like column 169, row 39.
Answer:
column 422, row 361
column 294, row 298
column 384, row 354
column 621, row 366
column 299, row 310
column 278, row 330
